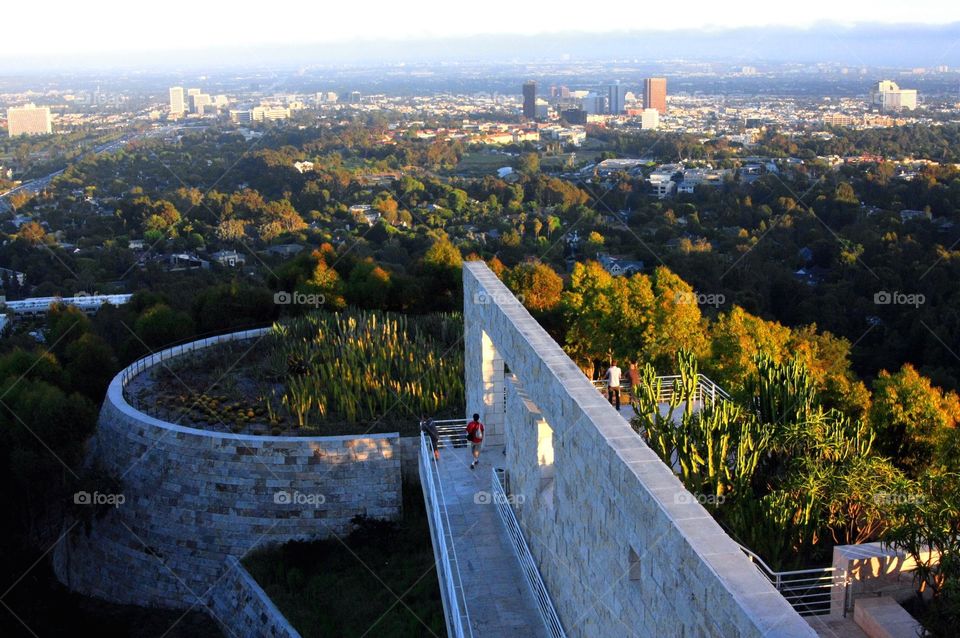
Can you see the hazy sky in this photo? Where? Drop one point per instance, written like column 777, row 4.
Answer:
column 57, row 27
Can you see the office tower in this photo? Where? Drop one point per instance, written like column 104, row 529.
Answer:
column 615, row 98
column 354, row 97
column 193, row 92
column 28, row 120
column 593, row 104
column 655, row 94
column 177, row 106
column 890, row 97
column 198, row 101
column 530, row 99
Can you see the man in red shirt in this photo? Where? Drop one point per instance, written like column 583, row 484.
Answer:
column 475, row 436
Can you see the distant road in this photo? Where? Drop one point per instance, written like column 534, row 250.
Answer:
column 36, row 185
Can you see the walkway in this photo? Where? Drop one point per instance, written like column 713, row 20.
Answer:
column 498, row 598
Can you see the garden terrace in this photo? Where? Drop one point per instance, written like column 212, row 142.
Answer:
column 319, row 374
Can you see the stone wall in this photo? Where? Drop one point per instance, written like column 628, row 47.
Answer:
column 622, row 547
column 243, row 609
column 194, row 498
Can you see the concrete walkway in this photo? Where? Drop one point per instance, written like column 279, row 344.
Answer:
column 498, row 599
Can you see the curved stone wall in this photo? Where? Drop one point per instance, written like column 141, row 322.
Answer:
column 192, row 498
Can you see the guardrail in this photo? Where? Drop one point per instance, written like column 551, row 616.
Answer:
column 157, row 358
column 530, row 572
column 706, row 388
column 807, row 590
column 453, row 432
column 448, row 569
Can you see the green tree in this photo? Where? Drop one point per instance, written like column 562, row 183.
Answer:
column 911, row 417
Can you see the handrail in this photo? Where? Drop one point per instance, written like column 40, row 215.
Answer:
column 808, row 591
column 448, row 570
column 453, row 432
column 705, row 388
column 548, row 613
column 157, row 358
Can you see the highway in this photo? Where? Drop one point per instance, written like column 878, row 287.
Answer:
column 35, row 186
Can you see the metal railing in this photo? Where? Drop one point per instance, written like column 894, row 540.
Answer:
column 448, row 569
column 157, row 358
column 530, row 572
column 706, row 388
column 453, row 432
column 809, row 591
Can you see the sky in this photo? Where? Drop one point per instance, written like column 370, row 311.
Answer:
column 72, row 28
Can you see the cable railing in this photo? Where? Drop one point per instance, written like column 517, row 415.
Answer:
column 530, row 572
column 706, row 388
column 448, row 569
column 809, row 591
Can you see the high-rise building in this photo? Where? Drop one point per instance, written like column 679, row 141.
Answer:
column 655, row 94
column 593, row 104
column 615, row 98
column 198, row 101
column 890, row 97
column 177, row 105
column 530, row 99
column 28, row 120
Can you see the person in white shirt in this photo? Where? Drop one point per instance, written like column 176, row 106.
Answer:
column 613, row 384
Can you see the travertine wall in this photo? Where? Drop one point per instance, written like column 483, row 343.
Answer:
column 243, row 609
column 622, row 547
column 193, row 498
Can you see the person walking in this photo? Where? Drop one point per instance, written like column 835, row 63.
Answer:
column 475, row 436
column 428, row 427
column 613, row 384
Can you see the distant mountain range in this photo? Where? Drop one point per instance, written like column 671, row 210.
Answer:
column 865, row 45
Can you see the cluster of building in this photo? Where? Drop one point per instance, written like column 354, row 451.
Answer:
column 195, row 102
column 583, row 106
column 890, row 97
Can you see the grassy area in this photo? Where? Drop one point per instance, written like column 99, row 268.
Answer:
column 483, row 163
column 334, row 588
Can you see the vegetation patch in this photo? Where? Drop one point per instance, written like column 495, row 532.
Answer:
column 346, row 587
column 319, row 374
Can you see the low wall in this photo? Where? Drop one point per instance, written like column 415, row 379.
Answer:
column 243, row 609
column 193, row 498
column 868, row 570
column 410, row 458
column 622, row 547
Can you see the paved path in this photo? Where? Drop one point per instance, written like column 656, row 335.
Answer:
column 835, row 627
column 498, row 599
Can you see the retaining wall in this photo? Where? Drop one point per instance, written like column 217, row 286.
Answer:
column 622, row 547
column 194, row 498
column 243, row 609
